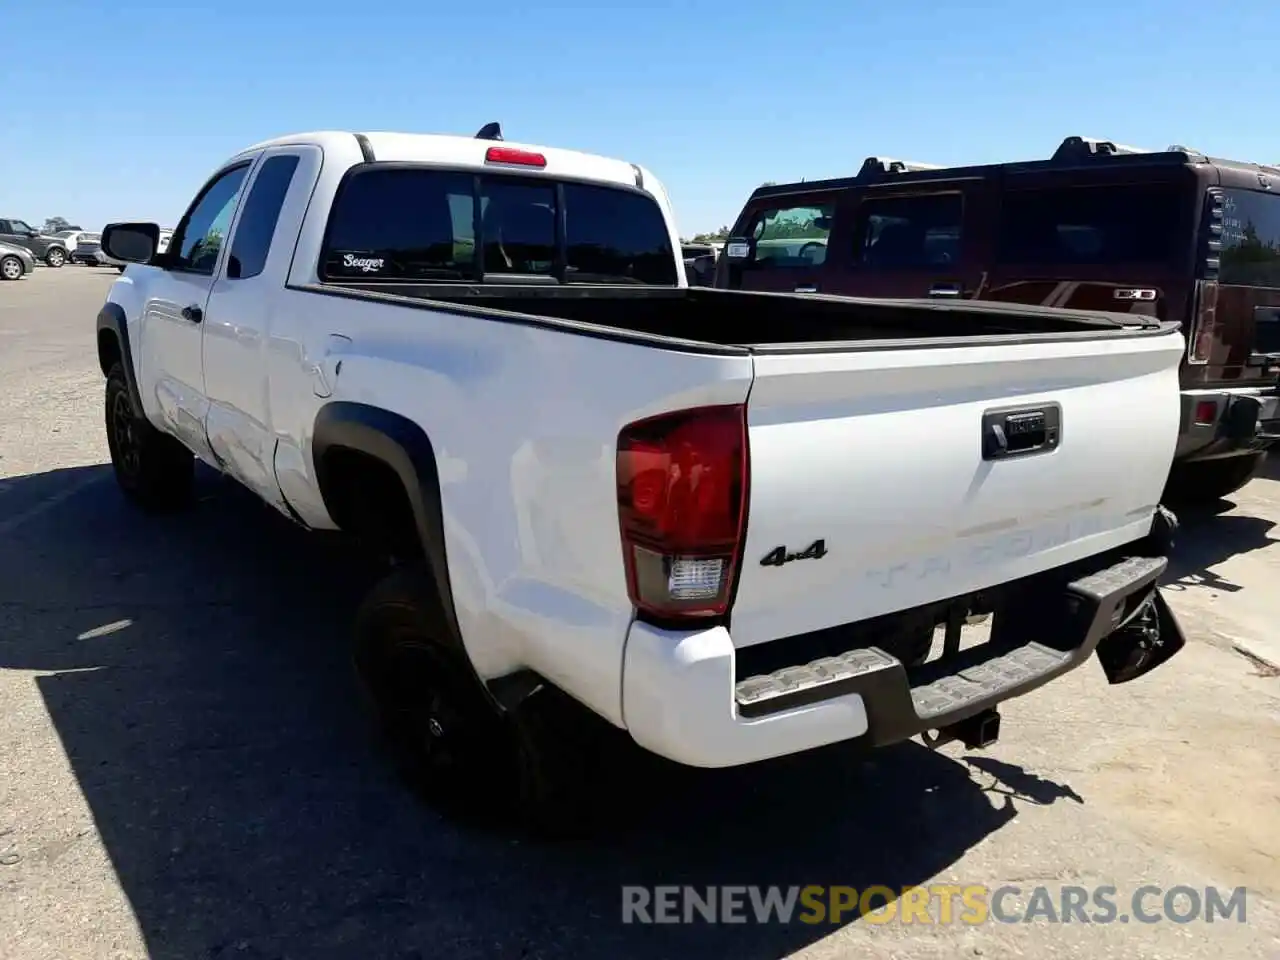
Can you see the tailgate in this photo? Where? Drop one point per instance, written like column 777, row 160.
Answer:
column 893, row 459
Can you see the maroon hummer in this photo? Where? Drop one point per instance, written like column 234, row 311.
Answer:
column 1097, row 226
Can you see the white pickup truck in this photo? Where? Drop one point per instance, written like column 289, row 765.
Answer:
column 727, row 523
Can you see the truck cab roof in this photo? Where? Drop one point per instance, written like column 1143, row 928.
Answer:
column 395, row 147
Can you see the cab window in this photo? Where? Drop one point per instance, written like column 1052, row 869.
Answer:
column 791, row 236
column 1250, row 239
column 914, row 232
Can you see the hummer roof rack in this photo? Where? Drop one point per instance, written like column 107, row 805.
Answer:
column 1074, row 149
column 883, row 166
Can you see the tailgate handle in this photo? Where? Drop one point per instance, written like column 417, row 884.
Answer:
column 1021, row 432
column 945, row 290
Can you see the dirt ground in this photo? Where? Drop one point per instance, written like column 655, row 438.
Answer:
column 183, row 772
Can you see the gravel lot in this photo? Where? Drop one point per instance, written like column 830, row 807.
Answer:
column 183, row 773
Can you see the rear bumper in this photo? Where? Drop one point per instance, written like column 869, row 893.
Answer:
column 683, row 700
column 1221, row 423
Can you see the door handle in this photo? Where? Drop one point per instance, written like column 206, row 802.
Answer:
column 809, row 289
column 1021, row 432
column 192, row 313
column 945, row 290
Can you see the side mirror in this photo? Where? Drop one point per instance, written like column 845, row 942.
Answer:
column 131, row 242
column 33, row 233
column 740, row 250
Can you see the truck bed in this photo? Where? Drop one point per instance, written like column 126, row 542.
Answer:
column 754, row 321
column 932, row 450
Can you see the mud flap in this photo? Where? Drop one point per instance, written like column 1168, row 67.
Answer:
column 1149, row 639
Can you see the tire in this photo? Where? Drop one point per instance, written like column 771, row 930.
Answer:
column 447, row 740
column 1200, row 483
column 55, row 257
column 152, row 469
column 11, row 268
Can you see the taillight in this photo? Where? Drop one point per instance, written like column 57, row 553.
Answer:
column 1205, row 324
column 682, row 500
column 521, row 158
column 1205, row 311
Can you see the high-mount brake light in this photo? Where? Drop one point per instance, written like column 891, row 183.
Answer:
column 521, row 158
column 682, row 502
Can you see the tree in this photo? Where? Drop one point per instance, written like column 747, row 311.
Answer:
column 54, row 224
column 713, row 237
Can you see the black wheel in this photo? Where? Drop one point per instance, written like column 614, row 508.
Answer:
column 55, row 257
column 153, row 470
column 11, row 268
column 1202, row 482
column 446, row 738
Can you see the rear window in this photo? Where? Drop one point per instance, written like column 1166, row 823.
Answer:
column 1250, row 239
column 432, row 225
column 1133, row 223
column 791, row 236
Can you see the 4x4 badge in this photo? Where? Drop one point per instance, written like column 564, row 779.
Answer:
column 779, row 555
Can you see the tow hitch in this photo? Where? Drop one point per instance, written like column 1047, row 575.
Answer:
column 976, row 733
column 1150, row 638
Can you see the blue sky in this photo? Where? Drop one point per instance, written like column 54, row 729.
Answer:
column 123, row 107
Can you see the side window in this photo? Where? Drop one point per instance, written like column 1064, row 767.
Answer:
column 519, row 226
column 199, row 236
column 1250, row 239
column 617, row 235
column 917, row 232
column 257, row 224
column 1110, row 225
column 791, row 236
column 401, row 225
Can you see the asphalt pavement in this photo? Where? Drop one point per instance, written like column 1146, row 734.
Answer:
column 184, row 772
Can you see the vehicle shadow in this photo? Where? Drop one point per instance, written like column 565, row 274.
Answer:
column 1208, row 536
column 202, row 696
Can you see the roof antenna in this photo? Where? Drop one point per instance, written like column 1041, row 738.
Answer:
column 490, row 131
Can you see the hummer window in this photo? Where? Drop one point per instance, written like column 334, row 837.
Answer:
column 910, row 232
column 792, row 236
column 1250, row 239
column 1122, row 224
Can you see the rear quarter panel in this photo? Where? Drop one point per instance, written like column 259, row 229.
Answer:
column 524, row 423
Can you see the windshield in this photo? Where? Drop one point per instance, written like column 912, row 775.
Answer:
column 426, row 224
column 1096, row 225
